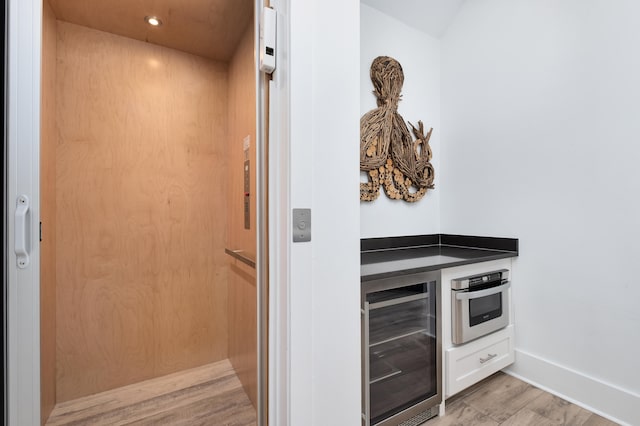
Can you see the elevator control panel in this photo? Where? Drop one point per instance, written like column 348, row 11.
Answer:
column 247, row 183
column 301, row 225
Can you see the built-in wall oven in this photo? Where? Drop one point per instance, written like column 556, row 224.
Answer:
column 479, row 305
column 401, row 349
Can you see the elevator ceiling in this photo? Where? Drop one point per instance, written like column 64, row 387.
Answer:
column 208, row 28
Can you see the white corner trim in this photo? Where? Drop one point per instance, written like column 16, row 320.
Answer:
column 605, row 399
column 279, row 224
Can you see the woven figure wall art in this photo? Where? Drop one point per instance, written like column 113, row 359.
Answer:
column 388, row 152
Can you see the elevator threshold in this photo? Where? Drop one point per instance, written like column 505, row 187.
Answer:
column 207, row 395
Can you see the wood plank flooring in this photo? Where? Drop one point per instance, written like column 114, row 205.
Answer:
column 212, row 395
column 207, row 395
column 504, row 400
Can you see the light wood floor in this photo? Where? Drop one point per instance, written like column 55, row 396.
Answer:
column 208, row 395
column 504, row 400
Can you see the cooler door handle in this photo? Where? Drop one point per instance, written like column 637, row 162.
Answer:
column 366, row 416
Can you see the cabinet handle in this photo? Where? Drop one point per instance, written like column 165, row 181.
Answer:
column 488, row 358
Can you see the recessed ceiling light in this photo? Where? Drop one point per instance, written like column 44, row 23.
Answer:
column 153, row 21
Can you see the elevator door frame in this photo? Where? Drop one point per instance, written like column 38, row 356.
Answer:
column 23, row 178
column 24, row 22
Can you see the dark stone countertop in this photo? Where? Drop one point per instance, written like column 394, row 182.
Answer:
column 394, row 256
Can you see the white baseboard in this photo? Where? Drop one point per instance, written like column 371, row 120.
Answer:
column 607, row 400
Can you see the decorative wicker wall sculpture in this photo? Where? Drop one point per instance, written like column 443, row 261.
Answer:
column 388, row 152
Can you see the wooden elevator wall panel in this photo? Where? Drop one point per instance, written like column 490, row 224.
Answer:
column 141, row 170
column 48, row 142
column 242, row 279
column 242, row 326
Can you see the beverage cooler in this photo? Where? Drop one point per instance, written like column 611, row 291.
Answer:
column 401, row 349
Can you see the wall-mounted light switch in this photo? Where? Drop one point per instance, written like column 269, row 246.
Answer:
column 301, row 225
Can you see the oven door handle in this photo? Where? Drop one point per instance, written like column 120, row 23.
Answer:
column 467, row 295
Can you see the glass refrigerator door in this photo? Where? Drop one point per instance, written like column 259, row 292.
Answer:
column 402, row 349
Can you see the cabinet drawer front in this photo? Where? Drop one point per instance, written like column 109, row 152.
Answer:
column 473, row 362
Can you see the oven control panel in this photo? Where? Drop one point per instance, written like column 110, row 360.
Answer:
column 465, row 283
column 484, row 279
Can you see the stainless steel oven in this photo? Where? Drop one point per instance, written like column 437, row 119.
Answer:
column 401, row 349
column 479, row 305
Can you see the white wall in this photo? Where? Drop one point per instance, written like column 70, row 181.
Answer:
column 325, row 273
column 428, row 16
column 419, row 55
column 540, row 129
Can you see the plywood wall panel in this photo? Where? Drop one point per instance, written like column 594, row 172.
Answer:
column 242, row 123
column 243, row 326
column 48, row 142
column 141, row 184
column 242, row 279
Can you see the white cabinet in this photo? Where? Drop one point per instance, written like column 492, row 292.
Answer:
column 469, row 363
